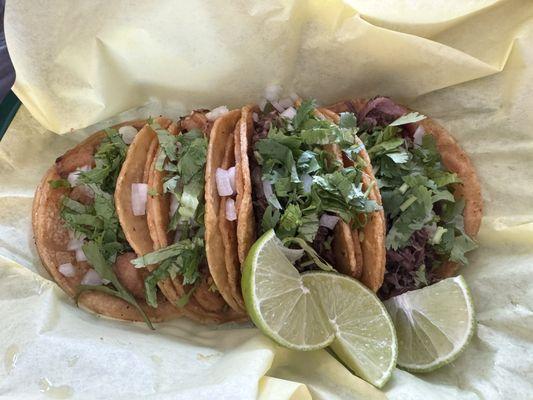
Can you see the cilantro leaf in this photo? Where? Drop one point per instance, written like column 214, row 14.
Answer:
column 408, row 119
column 59, row 183
column 347, row 120
column 304, row 113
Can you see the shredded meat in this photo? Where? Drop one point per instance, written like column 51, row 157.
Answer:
column 82, row 194
column 403, row 264
column 260, row 203
column 196, row 120
column 65, row 165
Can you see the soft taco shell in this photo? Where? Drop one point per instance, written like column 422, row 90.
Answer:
column 372, row 247
column 204, row 305
column 228, row 229
column 221, row 132
column 246, row 230
column 51, row 239
column 455, row 160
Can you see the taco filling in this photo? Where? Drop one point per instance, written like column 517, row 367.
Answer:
column 303, row 190
column 180, row 254
column 88, row 212
column 425, row 222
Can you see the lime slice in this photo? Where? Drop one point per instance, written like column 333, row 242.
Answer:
column 278, row 302
column 434, row 324
column 317, row 309
column 364, row 334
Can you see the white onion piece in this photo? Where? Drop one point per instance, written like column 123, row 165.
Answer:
column 231, row 212
column 329, row 221
column 418, row 135
column 67, row 270
column 277, row 106
column 80, row 255
column 307, row 181
column 223, row 182
column 216, row 112
column 139, row 195
column 267, row 189
column 289, row 113
column 174, row 204
column 73, row 176
column 262, row 104
column 272, row 92
column 292, row 255
column 255, row 117
column 91, row 278
column 294, row 97
column 75, row 243
column 286, row 103
column 128, row 133
column 231, row 175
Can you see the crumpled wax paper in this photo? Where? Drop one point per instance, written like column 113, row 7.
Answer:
column 469, row 64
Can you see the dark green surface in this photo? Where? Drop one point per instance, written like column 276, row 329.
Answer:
column 8, row 109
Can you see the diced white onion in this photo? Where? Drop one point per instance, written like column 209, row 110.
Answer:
column 75, row 243
column 231, row 175
column 289, row 113
column 277, row 106
column 262, row 104
column 329, row 221
column 292, row 255
column 216, row 112
column 223, row 182
column 91, row 278
column 286, row 102
column 139, row 195
column 294, row 97
column 174, row 204
column 74, row 175
column 307, row 181
column 67, row 270
column 273, row 92
column 267, row 189
column 418, row 135
column 80, row 255
column 128, row 133
column 255, row 117
column 231, row 212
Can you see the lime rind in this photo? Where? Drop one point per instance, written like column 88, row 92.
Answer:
column 366, row 342
column 279, row 327
column 425, row 337
column 341, row 312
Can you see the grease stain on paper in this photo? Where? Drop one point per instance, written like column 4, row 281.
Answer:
column 10, row 358
column 59, row 392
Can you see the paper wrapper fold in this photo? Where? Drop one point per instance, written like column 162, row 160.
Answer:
column 467, row 64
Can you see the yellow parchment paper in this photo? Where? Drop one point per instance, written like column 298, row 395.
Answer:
column 469, row 64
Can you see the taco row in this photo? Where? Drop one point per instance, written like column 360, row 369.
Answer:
column 152, row 220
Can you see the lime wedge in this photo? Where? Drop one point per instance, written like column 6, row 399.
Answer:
column 434, row 324
column 317, row 309
column 364, row 334
column 278, row 302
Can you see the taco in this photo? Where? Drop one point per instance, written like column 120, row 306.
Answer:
column 431, row 193
column 78, row 235
column 312, row 187
column 187, row 261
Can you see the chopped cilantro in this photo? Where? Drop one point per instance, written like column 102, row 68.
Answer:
column 307, row 180
column 181, row 258
column 425, row 223
column 59, row 183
